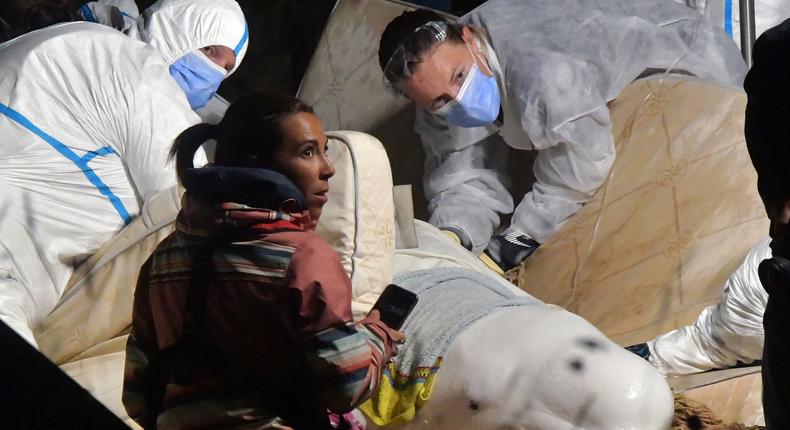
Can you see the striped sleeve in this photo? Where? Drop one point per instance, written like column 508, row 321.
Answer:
column 356, row 354
column 143, row 387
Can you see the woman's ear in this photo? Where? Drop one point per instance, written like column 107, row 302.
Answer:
column 467, row 35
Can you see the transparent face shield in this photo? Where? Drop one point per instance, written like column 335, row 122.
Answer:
column 401, row 63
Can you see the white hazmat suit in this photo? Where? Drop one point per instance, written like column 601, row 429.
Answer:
column 724, row 334
column 176, row 27
column 87, row 117
column 557, row 63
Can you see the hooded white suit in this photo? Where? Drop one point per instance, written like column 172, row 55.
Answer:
column 176, row 27
column 87, row 117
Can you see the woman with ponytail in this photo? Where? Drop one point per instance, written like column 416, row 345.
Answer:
column 243, row 314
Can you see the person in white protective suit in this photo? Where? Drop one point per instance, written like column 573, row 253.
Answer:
column 174, row 27
column 87, row 117
column 539, row 73
column 218, row 27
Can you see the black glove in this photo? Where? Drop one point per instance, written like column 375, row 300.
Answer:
column 510, row 248
column 640, row 349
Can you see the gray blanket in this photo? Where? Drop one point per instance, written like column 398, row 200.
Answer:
column 450, row 299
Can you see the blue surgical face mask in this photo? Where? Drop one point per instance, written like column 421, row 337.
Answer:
column 198, row 76
column 477, row 102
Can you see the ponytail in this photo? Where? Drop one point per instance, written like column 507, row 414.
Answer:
column 188, row 142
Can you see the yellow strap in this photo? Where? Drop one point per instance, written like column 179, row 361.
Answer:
column 490, row 263
column 483, row 256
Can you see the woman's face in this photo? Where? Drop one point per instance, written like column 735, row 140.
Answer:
column 443, row 70
column 302, row 158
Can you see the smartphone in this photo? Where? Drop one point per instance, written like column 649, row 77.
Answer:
column 394, row 305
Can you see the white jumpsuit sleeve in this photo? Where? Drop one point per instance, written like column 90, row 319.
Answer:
column 158, row 118
column 463, row 181
column 567, row 174
column 724, row 334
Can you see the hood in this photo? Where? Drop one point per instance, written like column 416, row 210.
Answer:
column 176, row 27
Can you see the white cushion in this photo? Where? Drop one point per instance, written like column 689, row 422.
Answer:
column 97, row 303
column 359, row 221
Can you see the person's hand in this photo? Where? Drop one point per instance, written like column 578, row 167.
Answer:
column 779, row 214
column 395, row 335
column 390, row 337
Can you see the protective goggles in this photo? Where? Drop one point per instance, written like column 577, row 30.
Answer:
column 398, row 66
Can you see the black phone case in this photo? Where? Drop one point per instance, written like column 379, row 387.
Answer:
column 395, row 304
